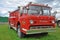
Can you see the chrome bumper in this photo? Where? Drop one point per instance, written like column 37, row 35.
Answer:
column 42, row 30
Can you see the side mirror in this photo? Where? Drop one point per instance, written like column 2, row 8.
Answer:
column 18, row 7
column 27, row 8
column 54, row 13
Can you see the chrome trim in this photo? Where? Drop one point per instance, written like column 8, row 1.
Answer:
column 33, row 31
column 39, row 27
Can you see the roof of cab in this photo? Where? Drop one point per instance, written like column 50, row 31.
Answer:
column 37, row 4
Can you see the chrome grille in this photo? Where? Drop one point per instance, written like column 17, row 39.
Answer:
column 38, row 27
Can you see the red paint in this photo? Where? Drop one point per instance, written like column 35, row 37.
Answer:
column 41, row 20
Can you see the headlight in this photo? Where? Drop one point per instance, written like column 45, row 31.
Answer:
column 53, row 21
column 31, row 22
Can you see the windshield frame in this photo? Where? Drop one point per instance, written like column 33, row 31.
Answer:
column 41, row 12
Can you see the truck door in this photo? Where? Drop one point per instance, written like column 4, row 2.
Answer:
column 16, row 15
column 11, row 19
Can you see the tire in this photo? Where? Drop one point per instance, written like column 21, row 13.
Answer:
column 58, row 24
column 20, row 34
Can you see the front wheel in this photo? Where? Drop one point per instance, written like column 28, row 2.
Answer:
column 20, row 34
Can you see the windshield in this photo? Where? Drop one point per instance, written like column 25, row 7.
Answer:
column 34, row 10
column 37, row 10
column 46, row 11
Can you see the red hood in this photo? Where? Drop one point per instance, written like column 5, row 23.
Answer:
column 38, row 20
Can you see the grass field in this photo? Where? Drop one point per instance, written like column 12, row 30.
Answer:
column 9, row 34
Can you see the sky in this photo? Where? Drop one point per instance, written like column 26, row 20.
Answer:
column 11, row 5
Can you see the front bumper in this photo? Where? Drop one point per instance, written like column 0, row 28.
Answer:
column 42, row 30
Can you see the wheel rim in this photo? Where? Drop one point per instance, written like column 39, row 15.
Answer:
column 19, row 30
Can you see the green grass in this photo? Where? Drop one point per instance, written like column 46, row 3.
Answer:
column 9, row 34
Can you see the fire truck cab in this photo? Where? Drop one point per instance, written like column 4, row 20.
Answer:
column 31, row 19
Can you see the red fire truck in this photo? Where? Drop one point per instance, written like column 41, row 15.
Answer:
column 31, row 19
